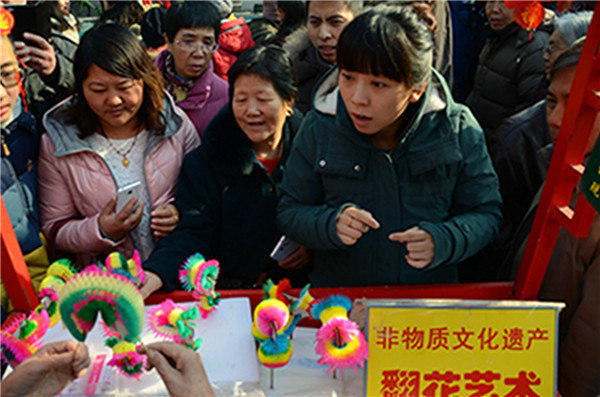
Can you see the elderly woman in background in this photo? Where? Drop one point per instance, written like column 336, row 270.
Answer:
column 119, row 128
column 229, row 188
column 568, row 28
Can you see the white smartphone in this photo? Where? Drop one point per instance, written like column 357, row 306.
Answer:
column 125, row 194
column 284, row 248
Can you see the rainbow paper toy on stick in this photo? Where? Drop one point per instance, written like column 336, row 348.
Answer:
column 303, row 304
column 174, row 322
column 200, row 277
column 272, row 328
column 277, row 291
column 62, row 268
column 56, row 276
column 300, row 305
column 14, row 351
column 23, row 336
column 121, row 305
column 130, row 267
column 339, row 340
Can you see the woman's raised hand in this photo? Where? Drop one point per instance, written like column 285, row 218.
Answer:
column 419, row 244
column 119, row 225
column 164, row 219
column 352, row 223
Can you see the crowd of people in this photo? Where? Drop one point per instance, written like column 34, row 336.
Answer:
column 363, row 133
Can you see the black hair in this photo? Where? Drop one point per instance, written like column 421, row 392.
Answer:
column 264, row 31
column 116, row 50
column 190, row 15
column 270, row 62
column 58, row 20
column 152, row 27
column 355, row 6
column 126, row 13
column 387, row 41
column 294, row 16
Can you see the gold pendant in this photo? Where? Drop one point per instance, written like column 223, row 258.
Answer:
column 125, row 162
column 6, row 149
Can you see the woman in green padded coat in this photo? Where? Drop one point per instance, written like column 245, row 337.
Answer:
column 389, row 181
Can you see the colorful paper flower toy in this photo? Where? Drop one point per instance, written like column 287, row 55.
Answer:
column 115, row 296
column 175, row 322
column 56, row 276
column 200, row 277
column 22, row 337
column 272, row 328
column 131, row 267
column 339, row 341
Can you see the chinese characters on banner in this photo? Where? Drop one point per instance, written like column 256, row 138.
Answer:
column 472, row 348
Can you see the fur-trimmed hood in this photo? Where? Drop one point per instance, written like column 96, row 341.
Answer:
column 65, row 137
column 226, row 147
column 328, row 100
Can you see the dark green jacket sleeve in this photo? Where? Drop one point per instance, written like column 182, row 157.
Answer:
column 476, row 202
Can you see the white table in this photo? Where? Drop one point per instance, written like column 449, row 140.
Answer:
column 228, row 352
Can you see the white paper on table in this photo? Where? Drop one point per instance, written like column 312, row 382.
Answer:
column 227, row 349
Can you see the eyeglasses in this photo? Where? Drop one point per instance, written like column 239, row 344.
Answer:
column 10, row 78
column 552, row 48
column 192, row 46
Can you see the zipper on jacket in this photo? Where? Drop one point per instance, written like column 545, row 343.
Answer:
column 396, row 213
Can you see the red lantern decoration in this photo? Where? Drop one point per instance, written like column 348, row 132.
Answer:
column 528, row 14
column 7, row 22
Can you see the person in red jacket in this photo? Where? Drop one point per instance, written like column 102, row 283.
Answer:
column 235, row 37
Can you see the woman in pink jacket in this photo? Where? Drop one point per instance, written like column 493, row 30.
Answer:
column 117, row 130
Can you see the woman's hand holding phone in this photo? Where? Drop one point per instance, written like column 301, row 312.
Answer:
column 298, row 260
column 119, row 224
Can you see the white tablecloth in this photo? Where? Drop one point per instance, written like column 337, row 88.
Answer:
column 228, row 352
